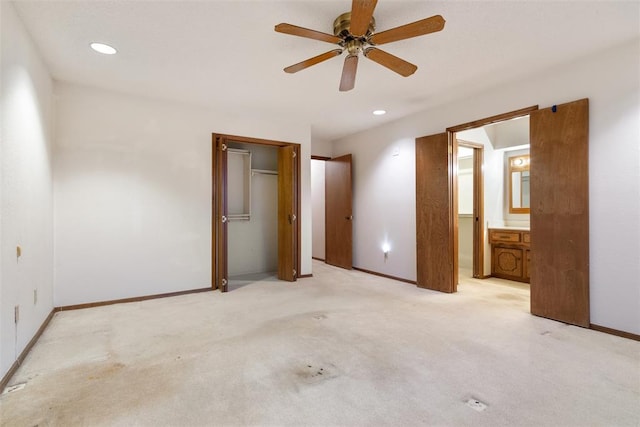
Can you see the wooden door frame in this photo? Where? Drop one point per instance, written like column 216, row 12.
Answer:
column 478, row 205
column 216, row 215
column 323, row 159
column 453, row 142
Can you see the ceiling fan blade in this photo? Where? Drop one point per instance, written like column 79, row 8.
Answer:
column 392, row 62
column 305, row 32
column 415, row 29
column 312, row 61
column 348, row 80
column 361, row 13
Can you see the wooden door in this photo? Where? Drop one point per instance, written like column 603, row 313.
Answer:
column 338, row 212
column 287, row 215
column 220, row 267
column 435, row 231
column 559, row 267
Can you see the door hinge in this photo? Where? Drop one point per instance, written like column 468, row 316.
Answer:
column 223, row 219
column 295, row 273
column 223, row 147
column 223, row 282
column 294, row 154
column 450, row 150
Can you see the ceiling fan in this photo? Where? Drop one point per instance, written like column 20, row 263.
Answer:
column 354, row 32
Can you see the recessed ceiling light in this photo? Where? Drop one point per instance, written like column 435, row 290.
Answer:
column 103, row 48
column 379, row 112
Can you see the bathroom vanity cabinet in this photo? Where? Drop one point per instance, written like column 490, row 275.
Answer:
column 510, row 253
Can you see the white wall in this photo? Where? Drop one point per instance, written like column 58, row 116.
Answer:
column 26, row 200
column 384, row 186
column 133, row 192
column 383, row 199
column 509, row 133
column 465, row 212
column 321, row 147
column 318, row 208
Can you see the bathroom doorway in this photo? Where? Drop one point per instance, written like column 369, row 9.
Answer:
column 557, row 259
column 491, row 239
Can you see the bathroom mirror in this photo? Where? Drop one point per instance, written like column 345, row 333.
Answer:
column 519, row 190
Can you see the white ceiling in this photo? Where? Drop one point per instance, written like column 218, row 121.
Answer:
column 225, row 54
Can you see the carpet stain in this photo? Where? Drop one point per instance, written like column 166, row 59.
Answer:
column 314, row 373
column 106, row 371
column 89, row 402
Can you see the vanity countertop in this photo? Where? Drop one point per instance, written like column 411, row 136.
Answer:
column 510, row 228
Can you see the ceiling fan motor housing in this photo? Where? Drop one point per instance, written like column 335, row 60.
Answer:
column 342, row 27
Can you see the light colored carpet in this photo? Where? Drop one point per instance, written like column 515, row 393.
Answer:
column 341, row 348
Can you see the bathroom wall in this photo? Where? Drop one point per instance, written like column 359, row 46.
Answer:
column 465, row 212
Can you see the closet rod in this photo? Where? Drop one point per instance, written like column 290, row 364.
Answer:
column 263, row 172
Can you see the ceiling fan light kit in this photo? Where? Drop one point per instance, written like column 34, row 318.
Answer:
column 354, row 32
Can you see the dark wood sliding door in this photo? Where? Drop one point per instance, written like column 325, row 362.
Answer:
column 560, row 212
column 434, row 214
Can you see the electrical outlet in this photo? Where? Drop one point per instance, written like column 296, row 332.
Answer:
column 16, row 313
column 35, row 296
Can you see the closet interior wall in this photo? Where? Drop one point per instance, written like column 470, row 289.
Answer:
column 253, row 238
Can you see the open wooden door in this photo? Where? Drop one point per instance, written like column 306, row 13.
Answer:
column 338, row 212
column 287, row 214
column 435, row 232
column 220, row 268
column 560, row 212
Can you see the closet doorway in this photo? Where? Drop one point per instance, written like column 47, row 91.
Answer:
column 275, row 229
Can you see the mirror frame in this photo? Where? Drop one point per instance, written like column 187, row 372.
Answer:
column 514, row 166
